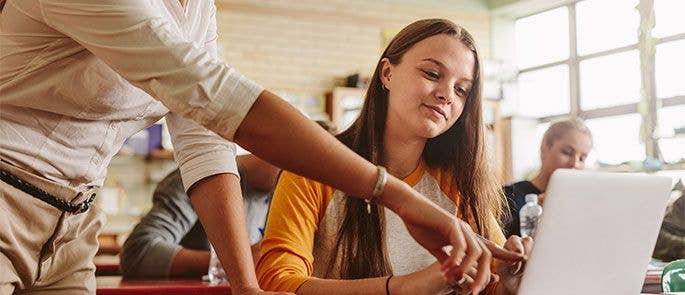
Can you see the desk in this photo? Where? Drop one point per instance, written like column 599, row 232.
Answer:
column 114, row 285
column 106, row 265
column 652, row 284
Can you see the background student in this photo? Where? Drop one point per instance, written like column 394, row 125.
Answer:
column 170, row 241
column 565, row 144
column 422, row 120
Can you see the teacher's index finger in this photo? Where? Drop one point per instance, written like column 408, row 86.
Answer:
column 501, row 253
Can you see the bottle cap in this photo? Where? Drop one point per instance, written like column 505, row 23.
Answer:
column 531, row 198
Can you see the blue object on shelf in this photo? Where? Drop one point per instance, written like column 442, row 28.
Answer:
column 154, row 137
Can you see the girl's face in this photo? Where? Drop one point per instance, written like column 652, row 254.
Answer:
column 429, row 87
column 569, row 151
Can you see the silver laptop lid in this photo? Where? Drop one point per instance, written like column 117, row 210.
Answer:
column 596, row 234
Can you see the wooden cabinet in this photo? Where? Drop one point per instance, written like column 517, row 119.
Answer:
column 520, row 147
column 494, row 137
column 343, row 105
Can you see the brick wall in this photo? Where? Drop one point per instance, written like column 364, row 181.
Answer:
column 300, row 46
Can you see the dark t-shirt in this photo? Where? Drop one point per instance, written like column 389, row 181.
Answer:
column 516, row 197
column 172, row 223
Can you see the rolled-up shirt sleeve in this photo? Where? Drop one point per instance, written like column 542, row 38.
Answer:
column 147, row 49
column 198, row 151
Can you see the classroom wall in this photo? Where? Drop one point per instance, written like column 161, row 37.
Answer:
column 295, row 47
column 299, row 47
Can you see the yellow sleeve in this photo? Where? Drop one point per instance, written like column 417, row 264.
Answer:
column 496, row 234
column 288, row 242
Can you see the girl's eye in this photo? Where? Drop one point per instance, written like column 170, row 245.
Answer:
column 432, row 75
column 461, row 92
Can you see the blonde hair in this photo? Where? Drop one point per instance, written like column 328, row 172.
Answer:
column 561, row 127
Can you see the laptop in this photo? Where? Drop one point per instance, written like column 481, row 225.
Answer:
column 596, row 234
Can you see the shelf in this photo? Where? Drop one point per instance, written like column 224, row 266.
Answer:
column 343, row 104
column 156, row 154
column 161, row 154
column 632, row 169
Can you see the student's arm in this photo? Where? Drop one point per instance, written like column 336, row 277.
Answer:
column 425, row 281
column 189, row 263
column 152, row 249
column 511, row 273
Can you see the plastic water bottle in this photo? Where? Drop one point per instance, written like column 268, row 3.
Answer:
column 530, row 215
column 216, row 272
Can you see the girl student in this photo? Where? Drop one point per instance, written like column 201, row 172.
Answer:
column 422, row 120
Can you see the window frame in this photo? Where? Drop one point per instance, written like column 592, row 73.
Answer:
column 645, row 43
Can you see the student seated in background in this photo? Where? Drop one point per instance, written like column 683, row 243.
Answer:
column 422, row 120
column 566, row 144
column 169, row 241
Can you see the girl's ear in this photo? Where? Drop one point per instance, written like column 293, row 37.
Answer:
column 386, row 72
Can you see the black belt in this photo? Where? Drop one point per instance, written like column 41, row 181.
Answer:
column 44, row 196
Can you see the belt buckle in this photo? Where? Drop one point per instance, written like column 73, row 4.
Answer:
column 85, row 205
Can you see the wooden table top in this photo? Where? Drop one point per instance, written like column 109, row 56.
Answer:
column 116, row 285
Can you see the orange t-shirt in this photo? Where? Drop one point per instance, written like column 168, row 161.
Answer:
column 305, row 217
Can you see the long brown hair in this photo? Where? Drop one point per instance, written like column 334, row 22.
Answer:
column 459, row 151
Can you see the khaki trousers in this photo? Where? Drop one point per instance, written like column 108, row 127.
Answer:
column 44, row 250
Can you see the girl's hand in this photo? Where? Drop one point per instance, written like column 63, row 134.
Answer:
column 426, row 281
column 472, row 261
column 465, row 284
column 511, row 272
column 436, row 230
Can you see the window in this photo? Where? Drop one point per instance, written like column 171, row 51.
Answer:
column 599, row 30
column 544, row 92
column 542, row 38
column 610, row 80
column 672, row 133
column 584, row 59
column 617, row 139
column 669, row 64
column 669, row 15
